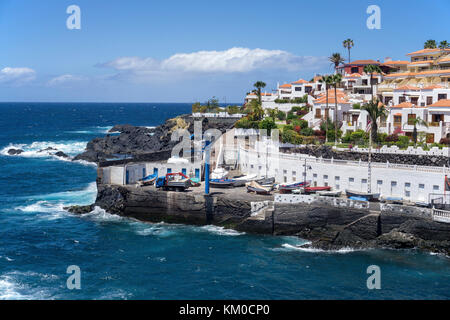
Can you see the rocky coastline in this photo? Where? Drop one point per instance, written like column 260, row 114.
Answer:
column 326, row 227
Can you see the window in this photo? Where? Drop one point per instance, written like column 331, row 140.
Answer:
column 318, row 114
column 363, row 180
column 315, row 175
column 325, row 176
column 435, row 188
column 351, row 179
column 411, row 118
column 259, row 168
column 407, row 184
column 285, row 171
column 401, row 99
column 393, row 183
column 285, row 179
column 429, row 100
column 355, row 70
column 298, row 88
column 407, row 193
column 421, row 186
column 442, row 96
column 337, row 178
column 379, row 182
column 294, row 173
column 326, row 184
column 251, row 166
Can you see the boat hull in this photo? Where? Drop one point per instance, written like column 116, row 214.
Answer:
column 360, row 194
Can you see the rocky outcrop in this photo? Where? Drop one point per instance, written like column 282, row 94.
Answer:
column 327, row 227
column 15, row 152
column 135, row 141
column 327, row 153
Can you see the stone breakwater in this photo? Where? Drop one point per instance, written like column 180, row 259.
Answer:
column 327, row 227
column 327, row 153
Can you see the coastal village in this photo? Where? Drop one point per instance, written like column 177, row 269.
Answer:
column 373, row 138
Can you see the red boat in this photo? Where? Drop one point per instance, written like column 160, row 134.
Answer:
column 315, row 189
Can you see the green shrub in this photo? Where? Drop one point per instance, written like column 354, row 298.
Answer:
column 268, row 124
column 307, row 132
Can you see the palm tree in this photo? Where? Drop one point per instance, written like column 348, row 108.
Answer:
column 336, row 60
column 272, row 113
column 371, row 69
column 348, row 44
column 258, row 85
column 415, row 122
column 327, row 80
column 336, row 79
column 256, row 110
column 376, row 110
column 444, row 44
column 430, row 44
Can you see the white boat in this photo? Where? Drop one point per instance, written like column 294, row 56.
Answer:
column 329, row 193
column 219, row 173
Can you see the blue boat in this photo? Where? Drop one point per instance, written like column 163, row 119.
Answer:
column 222, row 183
column 148, row 180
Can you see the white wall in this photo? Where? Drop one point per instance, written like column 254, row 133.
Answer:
column 410, row 182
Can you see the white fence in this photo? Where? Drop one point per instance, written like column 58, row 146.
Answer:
column 441, row 215
column 434, row 151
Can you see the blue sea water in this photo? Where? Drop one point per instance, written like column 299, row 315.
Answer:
column 125, row 259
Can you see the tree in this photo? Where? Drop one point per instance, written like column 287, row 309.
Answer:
column 272, row 113
column 335, row 81
column 348, row 44
column 415, row 122
column 259, row 85
column 327, row 80
column 336, row 60
column 430, row 44
column 376, row 110
column 268, row 124
column 256, row 110
column 371, row 69
column 444, row 45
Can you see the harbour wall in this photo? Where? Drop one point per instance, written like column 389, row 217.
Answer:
column 326, row 226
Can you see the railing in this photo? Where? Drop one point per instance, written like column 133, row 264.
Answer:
column 441, row 215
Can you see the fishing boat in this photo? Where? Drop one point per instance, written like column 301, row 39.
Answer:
column 148, row 180
column 287, row 188
column 219, row 173
column 255, row 187
column 368, row 196
column 266, row 181
column 242, row 180
column 308, row 190
column 329, row 193
column 221, row 183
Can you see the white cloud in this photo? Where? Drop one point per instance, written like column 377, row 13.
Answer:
column 16, row 76
column 64, row 79
column 234, row 60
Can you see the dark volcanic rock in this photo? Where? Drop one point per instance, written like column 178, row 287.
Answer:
column 326, row 152
column 61, row 154
column 135, row 141
column 80, row 209
column 14, row 152
column 47, row 149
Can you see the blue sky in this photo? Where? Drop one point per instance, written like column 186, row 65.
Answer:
column 183, row 51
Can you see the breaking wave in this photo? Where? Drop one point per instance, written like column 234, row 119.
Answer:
column 37, row 149
column 290, row 247
column 52, row 205
column 221, row 230
column 93, row 130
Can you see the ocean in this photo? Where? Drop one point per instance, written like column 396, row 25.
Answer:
column 125, row 259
